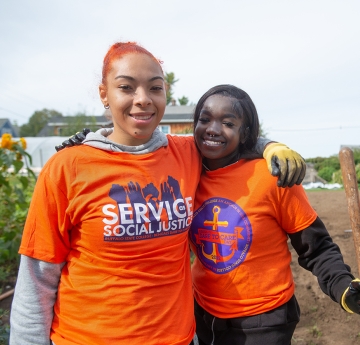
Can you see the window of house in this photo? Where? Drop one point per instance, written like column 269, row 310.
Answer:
column 165, row 129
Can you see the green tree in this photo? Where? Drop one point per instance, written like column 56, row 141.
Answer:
column 77, row 122
column 183, row 100
column 37, row 122
column 170, row 82
column 322, row 162
column 262, row 132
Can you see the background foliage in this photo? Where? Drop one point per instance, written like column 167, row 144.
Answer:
column 329, row 168
column 16, row 186
column 17, row 181
column 37, row 122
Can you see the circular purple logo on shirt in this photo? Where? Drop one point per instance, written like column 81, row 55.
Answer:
column 222, row 234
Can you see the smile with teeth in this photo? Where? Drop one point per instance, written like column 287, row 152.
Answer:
column 141, row 117
column 213, row 143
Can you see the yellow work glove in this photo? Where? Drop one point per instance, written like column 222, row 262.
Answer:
column 75, row 139
column 285, row 163
column 350, row 299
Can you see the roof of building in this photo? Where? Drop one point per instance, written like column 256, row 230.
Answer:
column 7, row 126
column 2, row 121
column 352, row 147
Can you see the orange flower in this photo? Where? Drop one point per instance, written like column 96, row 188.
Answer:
column 6, row 142
column 23, row 143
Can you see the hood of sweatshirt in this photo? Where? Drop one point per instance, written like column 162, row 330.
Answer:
column 99, row 140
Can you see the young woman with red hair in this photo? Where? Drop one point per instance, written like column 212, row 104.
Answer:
column 104, row 255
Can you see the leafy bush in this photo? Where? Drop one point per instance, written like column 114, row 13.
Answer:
column 329, row 162
column 337, row 177
column 326, row 173
column 330, row 170
column 15, row 192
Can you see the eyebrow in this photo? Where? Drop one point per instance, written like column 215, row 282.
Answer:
column 133, row 79
column 208, row 112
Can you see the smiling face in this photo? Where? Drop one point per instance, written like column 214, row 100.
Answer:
column 218, row 131
column 135, row 92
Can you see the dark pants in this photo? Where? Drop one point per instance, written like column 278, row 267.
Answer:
column 274, row 327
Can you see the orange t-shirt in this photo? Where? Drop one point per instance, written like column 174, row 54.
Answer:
column 120, row 222
column 239, row 235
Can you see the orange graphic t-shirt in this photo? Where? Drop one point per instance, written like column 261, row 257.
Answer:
column 239, row 235
column 120, row 222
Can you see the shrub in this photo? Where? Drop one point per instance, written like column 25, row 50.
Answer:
column 321, row 162
column 337, row 177
column 15, row 194
column 326, row 173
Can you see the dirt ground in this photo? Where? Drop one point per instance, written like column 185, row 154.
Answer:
column 322, row 322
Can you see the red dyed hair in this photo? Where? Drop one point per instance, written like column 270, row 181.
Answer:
column 120, row 49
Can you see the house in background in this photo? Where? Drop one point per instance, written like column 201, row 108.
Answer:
column 7, row 127
column 57, row 124
column 176, row 120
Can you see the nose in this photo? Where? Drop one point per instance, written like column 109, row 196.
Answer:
column 213, row 128
column 142, row 97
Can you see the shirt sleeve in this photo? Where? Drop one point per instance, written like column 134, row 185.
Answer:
column 260, row 145
column 321, row 256
column 34, row 298
column 258, row 149
column 46, row 234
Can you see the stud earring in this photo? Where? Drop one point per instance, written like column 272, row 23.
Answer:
column 106, row 106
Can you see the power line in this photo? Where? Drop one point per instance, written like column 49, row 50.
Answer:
column 13, row 112
column 311, row 129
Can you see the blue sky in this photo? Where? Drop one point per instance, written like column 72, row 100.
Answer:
column 298, row 60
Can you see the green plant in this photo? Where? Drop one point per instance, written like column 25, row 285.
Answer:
column 326, row 173
column 314, row 308
column 337, row 175
column 331, row 166
column 315, row 331
column 15, row 194
column 321, row 162
column 4, row 327
column 357, row 171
